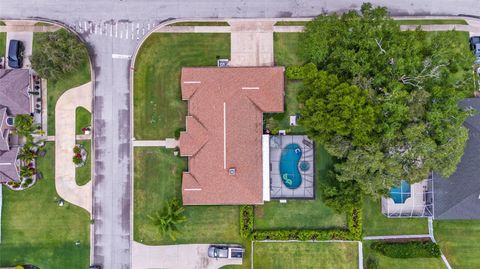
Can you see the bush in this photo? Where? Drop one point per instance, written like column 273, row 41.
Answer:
column 414, row 249
column 59, row 53
column 303, row 235
column 295, row 72
column 301, row 72
column 371, row 263
column 246, row 221
column 354, row 223
column 28, row 181
column 77, row 150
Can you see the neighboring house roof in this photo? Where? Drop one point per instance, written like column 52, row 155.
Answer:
column 458, row 196
column 14, row 90
column 8, row 169
column 224, row 130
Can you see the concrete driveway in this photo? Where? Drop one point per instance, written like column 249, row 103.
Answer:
column 251, row 43
column 191, row 256
column 65, row 140
column 25, row 37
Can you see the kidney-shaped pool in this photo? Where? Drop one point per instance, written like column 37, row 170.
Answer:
column 289, row 159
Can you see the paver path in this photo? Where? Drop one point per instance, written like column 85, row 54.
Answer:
column 191, row 256
column 65, row 137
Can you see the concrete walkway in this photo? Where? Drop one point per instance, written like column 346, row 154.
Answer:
column 28, row 28
column 251, row 43
column 194, row 29
column 387, row 237
column 191, row 256
column 65, row 138
column 168, row 143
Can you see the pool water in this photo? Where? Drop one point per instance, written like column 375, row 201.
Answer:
column 289, row 160
column 400, row 193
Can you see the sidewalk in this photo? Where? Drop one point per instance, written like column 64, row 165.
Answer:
column 65, row 140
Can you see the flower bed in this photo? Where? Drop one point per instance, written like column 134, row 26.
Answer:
column 79, row 155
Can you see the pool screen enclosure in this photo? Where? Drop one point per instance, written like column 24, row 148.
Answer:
column 292, row 167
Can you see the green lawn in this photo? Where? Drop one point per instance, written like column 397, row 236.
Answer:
column 84, row 174
column 201, row 23
column 281, row 121
column 459, row 241
column 310, row 214
column 285, row 50
column 305, row 255
column 393, row 263
column 425, row 22
column 57, row 87
column 158, row 108
column 375, row 223
column 3, row 45
column 157, row 179
column 285, row 46
column 37, row 231
column 83, row 119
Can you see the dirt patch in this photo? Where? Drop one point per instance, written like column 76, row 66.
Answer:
column 259, row 211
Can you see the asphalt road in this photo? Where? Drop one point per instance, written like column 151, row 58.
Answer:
column 112, row 30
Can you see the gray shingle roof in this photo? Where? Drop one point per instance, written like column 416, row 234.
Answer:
column 8, row 170
column 14, row 90
column 458, row 196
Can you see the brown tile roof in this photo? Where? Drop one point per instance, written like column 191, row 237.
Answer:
column 224, row 130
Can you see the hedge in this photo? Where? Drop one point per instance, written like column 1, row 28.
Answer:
column 246, row 221
column 354, row 231
column 413, row 249
column 300, row 72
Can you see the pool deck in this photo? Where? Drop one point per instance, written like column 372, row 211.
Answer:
column 278, row 190
column 413, row 206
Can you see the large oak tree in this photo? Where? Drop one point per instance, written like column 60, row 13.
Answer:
column 384, row 102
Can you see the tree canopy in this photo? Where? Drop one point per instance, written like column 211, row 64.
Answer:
column 384, row 101
column 58, row 53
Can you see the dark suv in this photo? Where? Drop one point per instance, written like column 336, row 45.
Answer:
column 15, row 54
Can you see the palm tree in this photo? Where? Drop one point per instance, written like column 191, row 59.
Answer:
column 168, row 220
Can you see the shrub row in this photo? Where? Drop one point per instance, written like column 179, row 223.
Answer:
column 300, row 72
column 246, row 221
column 413, row 249
column 303, row 235
column 354, row 232
column 354, row 223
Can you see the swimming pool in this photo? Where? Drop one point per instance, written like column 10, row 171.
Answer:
column 401, row 193
column 289, row 159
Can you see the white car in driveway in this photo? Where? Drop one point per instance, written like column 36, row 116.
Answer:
column 226, row 252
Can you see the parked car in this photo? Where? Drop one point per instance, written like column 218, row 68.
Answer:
column 15, row 54
column 95, row 267
column 474, row 40
column 225, row 252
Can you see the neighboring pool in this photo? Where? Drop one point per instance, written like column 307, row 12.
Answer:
column 401, row 193
column 289, row 172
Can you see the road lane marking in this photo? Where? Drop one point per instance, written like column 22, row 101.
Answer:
column 116, row 29
column 121, row 56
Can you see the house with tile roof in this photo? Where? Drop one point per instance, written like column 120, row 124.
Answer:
column 224, row 127
column 14, row 100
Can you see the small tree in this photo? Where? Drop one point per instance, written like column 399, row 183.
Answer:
column 167, row 221
column 24, row 126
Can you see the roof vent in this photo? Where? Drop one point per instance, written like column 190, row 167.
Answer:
column 232, row 171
